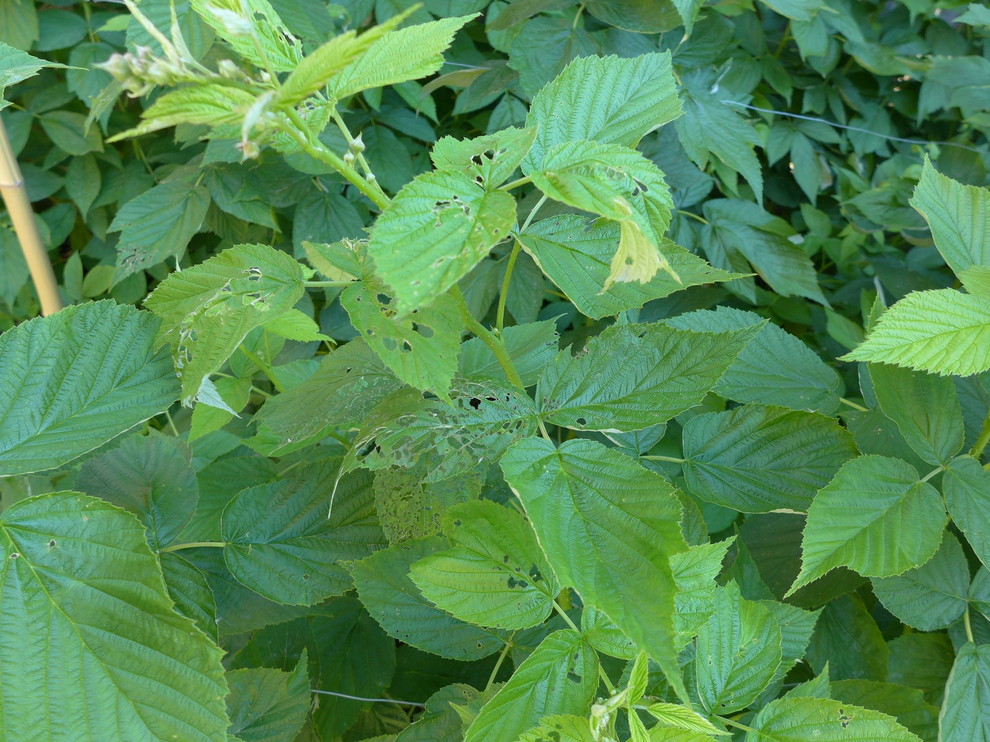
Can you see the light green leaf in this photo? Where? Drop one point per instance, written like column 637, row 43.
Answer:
column 16, row 66
column 560, row 728
column 441, row 718
column 620, row 184
column 576, row 253
column 605, row 99
column 72, row 381
column 495, row 574
column 210, row 104
column 797, row 10
column 349, row 383
column 758, row 458
column 774, row 368
column 150, row 475
column 531, row 346
column 967, row 696
column 84, row 597
column 711, row 127
column 601, row 633
column 254, row 30
column 925, row 408
column 633, row 376
column 560, row 677
column 487, row 160
column 437, row 228
column 941, row 331
column 407, row 54
column 907, row 705
column 958, row 215
column 281, row 543
column 874, row 517
column 931, row 596
column 966, row 486
column 421, row 349
column 976, row 280
column 158, row 225
column 682, row 717
column 738, row 651
column 268, row 705
column 386, row 590
column 975, row 15
column 208, row 309
column 608, row 527
column 695, row 571
column 799, row 719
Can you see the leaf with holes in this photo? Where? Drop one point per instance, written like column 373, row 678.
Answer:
column 487, row 160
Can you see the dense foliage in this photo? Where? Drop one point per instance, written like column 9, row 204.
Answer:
column 533, row 370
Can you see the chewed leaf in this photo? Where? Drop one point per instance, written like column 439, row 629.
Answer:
column 489, row 160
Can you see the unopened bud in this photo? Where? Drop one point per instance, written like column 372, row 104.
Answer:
column 248, row 149
column 370, row 177
column 349, row 157
column 228, row 69
column 357, row 144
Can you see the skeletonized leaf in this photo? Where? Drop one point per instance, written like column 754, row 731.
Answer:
column 959, row 217
column 942, row 331
column 83, row 595
column 560, row 677
column 437, row 228
column 576, row 254
column 606, row 99
column 281, row 544
column 608, row 527
column 495, row 573
column 757, row 458
column 633, row 376
column 73, row 381
column 874, row 517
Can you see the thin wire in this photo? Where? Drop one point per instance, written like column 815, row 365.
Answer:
column 849, row 128
column 369, row 700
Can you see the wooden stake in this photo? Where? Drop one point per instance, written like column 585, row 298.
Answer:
column 15, row 197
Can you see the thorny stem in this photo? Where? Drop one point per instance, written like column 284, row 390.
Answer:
column 317, row 150
column 982, row 439
column 194, row 545
column 359, row 156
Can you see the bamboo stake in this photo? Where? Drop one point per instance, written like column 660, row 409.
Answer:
column 15, row 197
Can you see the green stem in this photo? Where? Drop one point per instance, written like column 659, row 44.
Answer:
column 265, row 369
column 968, row 626
column 359, row 156
column 516, row 183
column 171, row 424
column 194, row 545
column 853, row 405
column 500, row 312
column 327, row 284
column 982, row 439
column 498, row 665
column 318, row 151
column 932, row 473
column 738, row 725
column 693, row 216
column 671, row 459
column 571, row 625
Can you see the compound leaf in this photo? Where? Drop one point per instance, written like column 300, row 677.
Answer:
column 75, row 380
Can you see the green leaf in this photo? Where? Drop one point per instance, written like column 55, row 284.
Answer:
column 633, row 376
column 349, row 383
column 441, row 719
column 966, row 486
column 967, row 695
column 495, row 574
column 560, row 677
column 941, row 331
column 758, row 458
column 421, row 349
column 68, row 132
column 442, row 439
column 605, row 99
column 207, row 310
column 531, row 346
column 280, row 542
column 437, row 228
column 100, row 652
column 268, row 705
column 73, row 381
column 695, row 571
column 907, row 705
column 931, row 596
column 152, row 477
column 386, row 590
column 487, row 160
column 738, row 650
column 925, row 408
column 210, row 104
column 958, row 215
column 639, row 16
column 16, row 66
column 191, row 593
column 410, row 508
column 158, row 225
column 774, row 368
column 407, row 54
column 620, row 184
column 797, row 10
column 798, row 719
column 682, row 717
column 847, row 641
column 576, row 254
column 976, row 280
column 560, row 728
column 253, row 29
column 874, row 517
column 608, row 527
column 711, row 127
